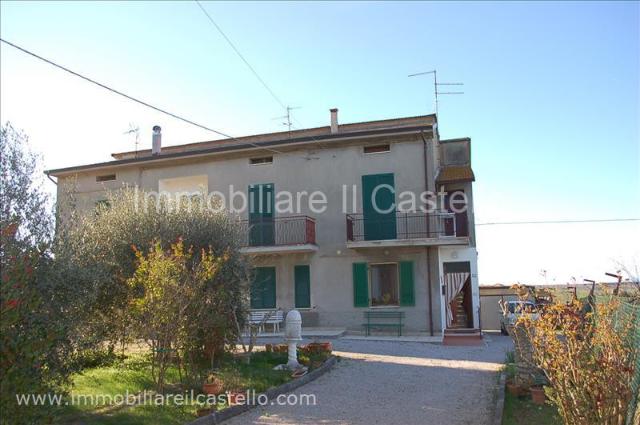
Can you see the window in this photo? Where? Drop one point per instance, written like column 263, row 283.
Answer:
column 377, row 148
column 106, row 178
column 263, row 288
column 384, row 284
column 261, row 207
column 184, row 185
column 261, row 161
column 302, row 286
column 379, row 214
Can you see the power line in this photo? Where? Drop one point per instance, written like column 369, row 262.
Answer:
column 498, row 223
column 141, row 102
column 251, row 68
column 104, row 86
column 246, row 62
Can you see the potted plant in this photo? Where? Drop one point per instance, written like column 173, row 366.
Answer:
column 318, row 347
column 213, row 384
column 537, row 392
column 236, row 397
column 205, row 411
column 513, row 388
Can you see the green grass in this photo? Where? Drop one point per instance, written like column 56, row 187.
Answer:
column 141, row 415
column 259, row 374
column 133, row 375
column 522, row 411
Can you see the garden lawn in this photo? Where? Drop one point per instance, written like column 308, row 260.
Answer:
column 522, row 411
column 133, row 375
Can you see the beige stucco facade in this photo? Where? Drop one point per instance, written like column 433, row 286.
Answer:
column 334, row 166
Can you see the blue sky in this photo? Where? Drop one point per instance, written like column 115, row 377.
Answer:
column 552, row 93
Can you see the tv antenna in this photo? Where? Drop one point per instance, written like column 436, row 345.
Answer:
column 287, row 117
column 436, row 86
column 135, row 130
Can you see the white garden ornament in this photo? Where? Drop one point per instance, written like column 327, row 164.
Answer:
column 293, row 334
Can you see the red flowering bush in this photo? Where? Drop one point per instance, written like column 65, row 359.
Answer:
column 30, row 361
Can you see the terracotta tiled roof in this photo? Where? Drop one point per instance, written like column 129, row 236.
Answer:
column 458, row 173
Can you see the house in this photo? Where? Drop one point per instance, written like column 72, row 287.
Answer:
column 354, row 242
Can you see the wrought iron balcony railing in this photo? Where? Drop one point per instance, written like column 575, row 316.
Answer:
column 279, row 231
column 403, row 225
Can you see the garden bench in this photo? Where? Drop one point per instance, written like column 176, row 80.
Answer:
column 259, row 317
column 383, row 319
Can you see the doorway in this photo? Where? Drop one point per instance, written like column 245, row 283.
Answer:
column 458, row 296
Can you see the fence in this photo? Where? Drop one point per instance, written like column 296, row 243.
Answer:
column 628, row 311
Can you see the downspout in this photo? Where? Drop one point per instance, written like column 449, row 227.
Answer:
column 55, row 229
column 426, row 184
column 49, row 177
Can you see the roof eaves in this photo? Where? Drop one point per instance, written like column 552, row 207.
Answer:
column 239, row 147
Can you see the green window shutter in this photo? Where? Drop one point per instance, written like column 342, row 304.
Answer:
column 302, row 278
column 360, row 285
column 256, row 289
column 263, row 288
column 261, row 211
column 270, row 290
column 406, row 283
column 378, row 225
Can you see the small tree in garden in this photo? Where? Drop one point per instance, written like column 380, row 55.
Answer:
column 23, row 203
column 94, row 251
column 172, row 286
column 588, row 360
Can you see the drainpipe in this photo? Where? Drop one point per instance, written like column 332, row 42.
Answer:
column 49, row 177
column 426, row 183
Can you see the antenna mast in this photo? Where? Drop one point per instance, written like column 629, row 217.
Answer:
column 288, row 117
column 436, row 86
column 134, row 129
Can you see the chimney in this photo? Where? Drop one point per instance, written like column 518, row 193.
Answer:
column 156, row 140
column 334, row 120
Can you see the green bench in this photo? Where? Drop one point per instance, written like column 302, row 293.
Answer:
column 383, row 319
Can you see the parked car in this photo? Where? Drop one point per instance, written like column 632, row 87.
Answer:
column 511, row 311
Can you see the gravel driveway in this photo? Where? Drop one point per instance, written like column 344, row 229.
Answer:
column 400, row 383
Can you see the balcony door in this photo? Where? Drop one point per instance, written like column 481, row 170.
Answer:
column 378, row 206
column 461, row 218
column 261, row 209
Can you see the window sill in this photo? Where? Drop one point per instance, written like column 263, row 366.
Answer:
column 385, row 306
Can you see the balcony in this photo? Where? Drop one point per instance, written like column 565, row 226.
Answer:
column 279, row 235
column 406, row 229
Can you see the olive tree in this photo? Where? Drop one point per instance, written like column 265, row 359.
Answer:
column 23, row 203
column 99, row 245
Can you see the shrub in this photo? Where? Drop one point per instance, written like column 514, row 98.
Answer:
column 96, row 357
column 176, row 300
column 94, row 254
column 35, row 348
column 588, row 359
